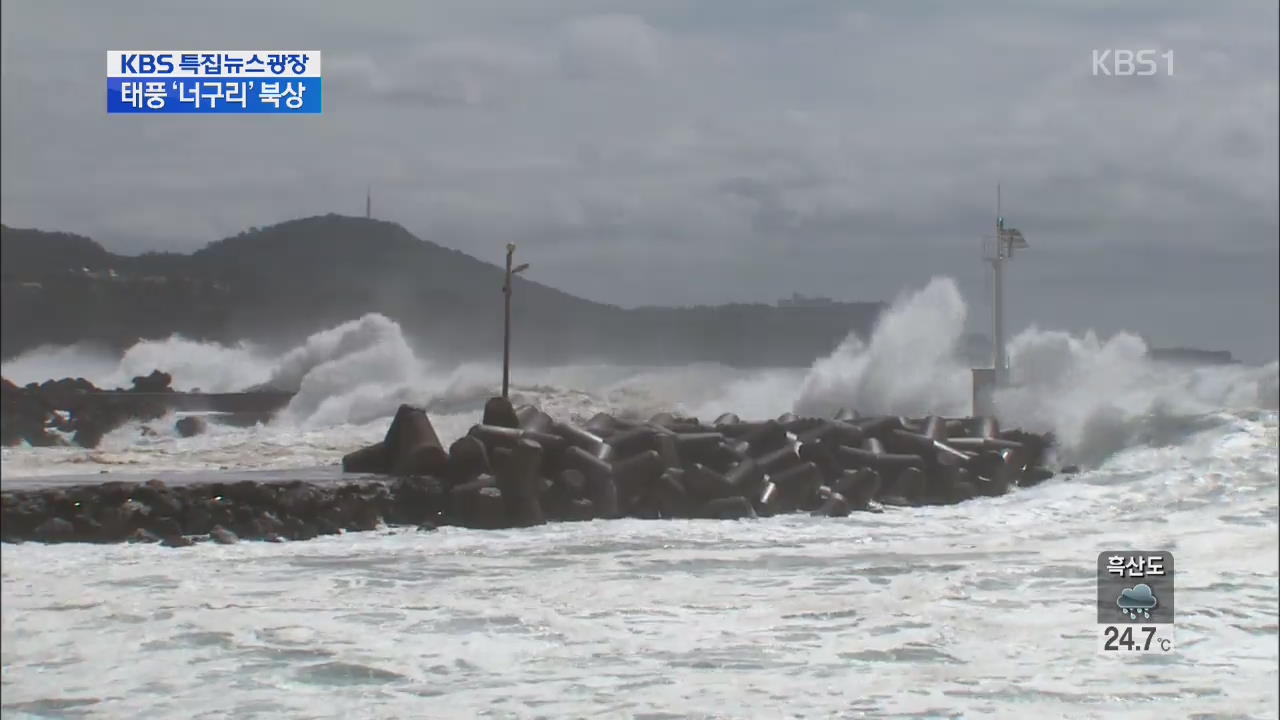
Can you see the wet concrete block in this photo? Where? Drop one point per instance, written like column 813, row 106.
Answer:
column 797, row 485
column 531, row 418
column 852, row 458
column 858, row 487
column 637, row 473
column 579, row 437
column 633, row 441
column 832, row 504
column 727, row 419
column 498, row 411
column 412, row 446
column 670, row 496
column 371, row 459
column 468, row 457
column 697, row 447
column 703, row 483
column 728, row 508
column 766, row 438
column 521, row 485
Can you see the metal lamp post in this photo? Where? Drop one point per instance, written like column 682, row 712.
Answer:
column 506, row 325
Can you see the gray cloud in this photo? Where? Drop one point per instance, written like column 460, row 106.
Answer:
column 666, row 152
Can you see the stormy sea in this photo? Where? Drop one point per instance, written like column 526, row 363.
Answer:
column 982, row 609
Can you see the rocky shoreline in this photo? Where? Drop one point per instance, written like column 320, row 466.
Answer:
column 45, row 414
column 520, row 468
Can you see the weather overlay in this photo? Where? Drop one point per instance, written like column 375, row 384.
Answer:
column 1135, row 602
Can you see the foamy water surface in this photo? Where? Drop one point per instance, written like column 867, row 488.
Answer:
column 984, row 609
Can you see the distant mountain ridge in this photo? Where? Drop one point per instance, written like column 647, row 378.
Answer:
column 281, row 283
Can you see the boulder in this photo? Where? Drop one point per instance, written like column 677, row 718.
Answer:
column 190, row 426
column 155, row 382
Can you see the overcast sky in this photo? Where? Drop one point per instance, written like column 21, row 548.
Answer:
column 665, row 152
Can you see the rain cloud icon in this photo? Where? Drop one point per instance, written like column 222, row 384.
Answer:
column 1137, row 600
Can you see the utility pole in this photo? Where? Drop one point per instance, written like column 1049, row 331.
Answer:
column 997, row 305
column 506, row 324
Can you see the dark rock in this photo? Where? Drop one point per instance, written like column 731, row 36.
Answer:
column 164, row 526
column 1034, row 475
column 299, row 499
column 579, row 510
column 190, row 426
column 223, row 536
column 247, row 493
column 54, row 530
column 729, row 508
column 155, row 382
column 89, row 530
column 177, row 541
column 416, row 500
column 142, row 535
column 162, row 501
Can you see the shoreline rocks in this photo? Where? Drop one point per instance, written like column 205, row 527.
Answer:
column 40, row 414
column 521, row 468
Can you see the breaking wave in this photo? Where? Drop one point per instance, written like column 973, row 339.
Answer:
column 1098, row 395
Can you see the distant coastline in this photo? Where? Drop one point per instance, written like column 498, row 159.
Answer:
column 278, row 284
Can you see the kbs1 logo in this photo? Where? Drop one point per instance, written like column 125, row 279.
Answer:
column 1127, row 63
column 283, row 82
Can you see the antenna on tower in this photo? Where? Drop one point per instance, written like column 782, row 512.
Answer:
column 368, row 201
